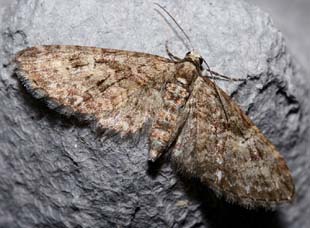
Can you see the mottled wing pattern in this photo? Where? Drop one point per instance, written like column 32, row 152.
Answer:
column 122, row 88
column 233, row 158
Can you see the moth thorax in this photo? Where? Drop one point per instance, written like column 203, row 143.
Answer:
column 186, row 73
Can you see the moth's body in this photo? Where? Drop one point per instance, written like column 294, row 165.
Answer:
column 124, row 90
column 169, row 121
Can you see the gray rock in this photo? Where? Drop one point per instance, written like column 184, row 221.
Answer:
column 56, row 172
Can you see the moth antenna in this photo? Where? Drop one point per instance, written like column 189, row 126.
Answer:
column 191, row 48
column 174, row 30
column 171, row 56
column 188, row 45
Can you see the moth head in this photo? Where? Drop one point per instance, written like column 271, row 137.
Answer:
column 195, row 58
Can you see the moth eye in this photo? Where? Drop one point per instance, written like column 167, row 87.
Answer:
column 200, row 60
column 188, row 53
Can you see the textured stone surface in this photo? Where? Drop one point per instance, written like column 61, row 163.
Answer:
column 293, row 19
column 55, row 172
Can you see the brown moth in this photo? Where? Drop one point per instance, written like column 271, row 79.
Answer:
column 208, row 135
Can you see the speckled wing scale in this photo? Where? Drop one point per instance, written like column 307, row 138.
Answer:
column 119, row 88
column 124, row 90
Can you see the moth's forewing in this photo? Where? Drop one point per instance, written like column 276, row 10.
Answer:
column 232, row 157
column 121, row 89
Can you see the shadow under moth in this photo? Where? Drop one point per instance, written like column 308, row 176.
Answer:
column 207, row 135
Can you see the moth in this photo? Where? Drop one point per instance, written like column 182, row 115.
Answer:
column 206, row 133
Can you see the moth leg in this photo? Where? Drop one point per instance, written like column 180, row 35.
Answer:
column 219, row 76
column 172, row 56
column 219, row 97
